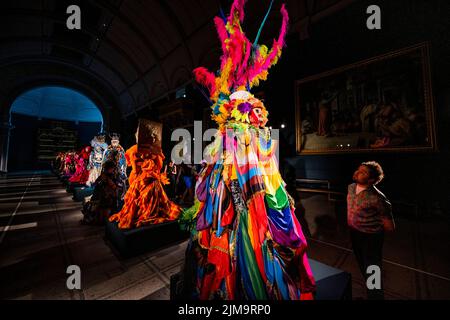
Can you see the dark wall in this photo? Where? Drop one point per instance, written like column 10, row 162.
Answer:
column 23, row 140
column 343, row 39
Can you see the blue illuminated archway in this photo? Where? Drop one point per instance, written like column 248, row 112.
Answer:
column 37, row 112
column 57, row 103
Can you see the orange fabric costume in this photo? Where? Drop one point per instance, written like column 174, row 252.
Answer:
column 146, row 201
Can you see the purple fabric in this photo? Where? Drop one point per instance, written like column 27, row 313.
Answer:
column 202, row 223
column 245, row 107
column 201, row 191
column 282, row 227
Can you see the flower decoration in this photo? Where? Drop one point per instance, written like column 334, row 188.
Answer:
column 245, row 107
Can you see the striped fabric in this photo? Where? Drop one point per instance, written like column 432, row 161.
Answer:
column 246, row 241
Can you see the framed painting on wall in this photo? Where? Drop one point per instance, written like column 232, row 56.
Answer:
column 383, row 104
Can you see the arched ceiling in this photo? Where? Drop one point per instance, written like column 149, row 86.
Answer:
column 57, row 103
column 140, row 50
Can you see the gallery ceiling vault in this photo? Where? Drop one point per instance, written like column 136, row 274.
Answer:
column 133, row 51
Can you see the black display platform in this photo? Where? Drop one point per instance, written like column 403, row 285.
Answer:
column 131, row 242
column 332, row 283
column 65, row 181
column 79, row 193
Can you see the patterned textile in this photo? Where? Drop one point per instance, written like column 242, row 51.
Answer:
column 367, row 209
column 81, row 174
column 69, row 164
column 104, row 200
column 117, row 155
column 246, row 242
column 96, row 159
column 246, row 238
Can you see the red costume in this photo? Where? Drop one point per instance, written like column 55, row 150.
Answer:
column 81, row 174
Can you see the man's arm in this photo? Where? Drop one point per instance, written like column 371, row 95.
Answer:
column 386, row 215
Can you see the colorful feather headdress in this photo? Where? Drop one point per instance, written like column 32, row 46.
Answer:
column 243, row 65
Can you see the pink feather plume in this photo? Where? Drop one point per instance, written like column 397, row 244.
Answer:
column 238, row 48
column 238, row 5
column 221, row 31
column 284, row 25
column 205, row 78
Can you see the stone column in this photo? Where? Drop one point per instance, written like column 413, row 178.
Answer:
column 5, row 132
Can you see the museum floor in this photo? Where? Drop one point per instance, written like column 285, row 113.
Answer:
column 41, row 236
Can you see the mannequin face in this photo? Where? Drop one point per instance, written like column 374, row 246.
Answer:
column 257, row 117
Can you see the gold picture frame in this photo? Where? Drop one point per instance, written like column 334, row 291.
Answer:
column 382, row 104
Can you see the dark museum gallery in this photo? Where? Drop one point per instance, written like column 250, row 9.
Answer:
column 325, row 177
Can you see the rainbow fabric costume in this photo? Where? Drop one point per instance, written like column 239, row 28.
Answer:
column 246, row 242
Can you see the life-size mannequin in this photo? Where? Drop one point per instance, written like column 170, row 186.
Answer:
column 99, row 147
column 69, row 164
column 116, row 154
column 81, row 174
column 105, row 198
column 246, row 242
column 146, row 201
column 58, row 164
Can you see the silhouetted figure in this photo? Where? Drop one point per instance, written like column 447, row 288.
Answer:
column 106, row 196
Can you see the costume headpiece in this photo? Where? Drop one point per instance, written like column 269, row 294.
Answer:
column 149, row 136
column 243, row 65
column 100, row 137
column 114, row 136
